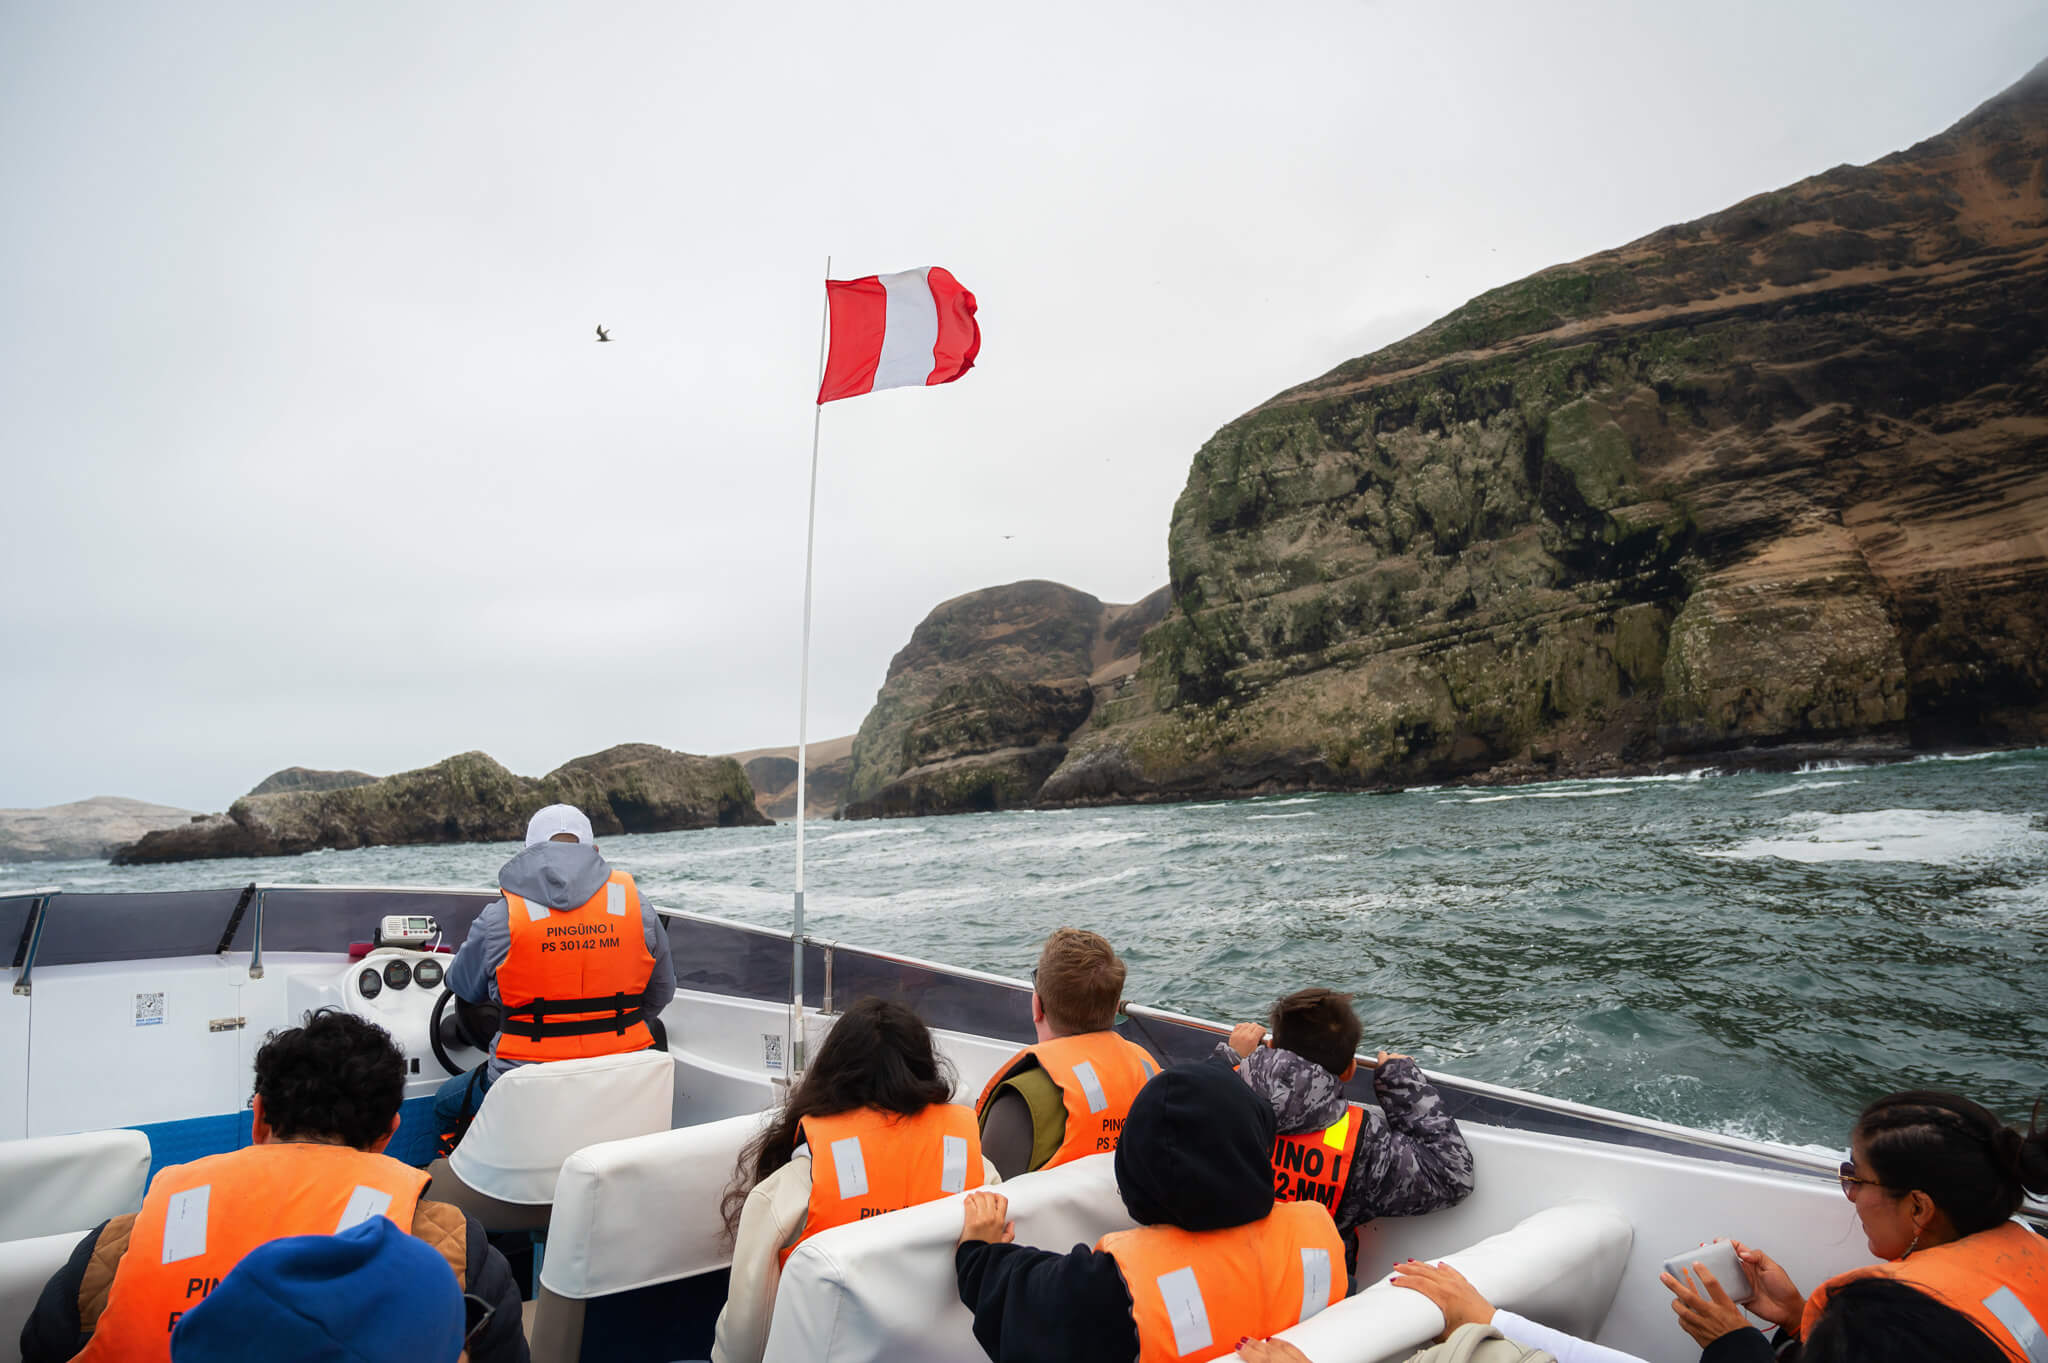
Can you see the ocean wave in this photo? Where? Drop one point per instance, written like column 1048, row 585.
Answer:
column 1932, row 837
column 1295, row 800
column 1063, row 887
column 1800, row 785
column 1302, row 814
column 1828, row 765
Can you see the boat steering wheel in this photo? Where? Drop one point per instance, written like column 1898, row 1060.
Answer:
column 472, row 1024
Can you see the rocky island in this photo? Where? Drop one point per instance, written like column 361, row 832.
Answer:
column 632, row 788
column 1767, row 483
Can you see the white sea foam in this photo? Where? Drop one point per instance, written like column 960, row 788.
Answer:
column 1933, row 837
column 1594, row 793
column 1297, row 800
column 1959, row 756
column 1828, row 765
column 1303, row 814
column 868, row 833
column 1064, row 887
column 1800, row 785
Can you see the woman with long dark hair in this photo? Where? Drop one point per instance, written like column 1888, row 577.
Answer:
column 871, row 1128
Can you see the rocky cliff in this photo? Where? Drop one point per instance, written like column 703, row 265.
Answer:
column 772, row 772
column 310, row 779
column 1775, row 477
column 977, row 707
column 82, row 830
column 633, row 788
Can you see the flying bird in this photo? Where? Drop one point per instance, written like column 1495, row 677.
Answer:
column 602, row 334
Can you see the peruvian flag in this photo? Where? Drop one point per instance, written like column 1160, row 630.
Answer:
column 905, row 330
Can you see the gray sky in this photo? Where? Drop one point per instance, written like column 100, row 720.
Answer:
column 310, row 456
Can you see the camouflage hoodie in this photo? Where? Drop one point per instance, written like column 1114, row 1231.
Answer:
column 1411, row 1158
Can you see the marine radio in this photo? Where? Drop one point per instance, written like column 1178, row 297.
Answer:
column 412, row 931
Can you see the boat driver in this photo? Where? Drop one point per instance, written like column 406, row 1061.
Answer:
column 577, row 960
column 1065, row 1097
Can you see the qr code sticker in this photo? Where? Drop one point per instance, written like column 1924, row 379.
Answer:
column 149, row 1010
column 771, row 1052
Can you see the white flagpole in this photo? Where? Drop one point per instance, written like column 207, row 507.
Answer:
column 794, row 1067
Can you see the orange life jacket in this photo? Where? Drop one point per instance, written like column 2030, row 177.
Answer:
column 865, row 1162
column 573, row 981
column 1314, row 1166
column 1997, row 1277
column 1194, row 1294
column 199, row 1220
column 1098, row 1074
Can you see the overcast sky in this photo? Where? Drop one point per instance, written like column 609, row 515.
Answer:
column 310, row 455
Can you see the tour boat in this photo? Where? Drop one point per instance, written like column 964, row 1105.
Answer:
column 127, row 1040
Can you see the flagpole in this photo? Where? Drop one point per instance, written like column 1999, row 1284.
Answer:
column 795, row 1065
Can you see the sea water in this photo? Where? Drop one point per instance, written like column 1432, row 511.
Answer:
column 1752, row 953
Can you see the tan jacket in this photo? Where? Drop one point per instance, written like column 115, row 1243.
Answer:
column 1479, row 1344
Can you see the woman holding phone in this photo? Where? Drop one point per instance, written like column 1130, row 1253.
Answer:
column 1935, row 1180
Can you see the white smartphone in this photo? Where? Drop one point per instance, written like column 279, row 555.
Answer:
column 1720, row 1260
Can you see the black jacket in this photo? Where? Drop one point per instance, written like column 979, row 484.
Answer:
column 1196, row 1152
column 53, row 1335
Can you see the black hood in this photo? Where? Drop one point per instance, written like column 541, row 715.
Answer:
column 1197, row 1151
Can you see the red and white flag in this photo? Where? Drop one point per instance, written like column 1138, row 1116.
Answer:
column 907, row 330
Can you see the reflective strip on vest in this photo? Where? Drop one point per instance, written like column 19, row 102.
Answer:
column 364, row 1203
column 185, row 1224
column 615, row 899
column 850, row 1167
column 953, row 1168
column 535, row 910
column 1091, row 1086
column 1315, row 1281
column 1185, row 1310
column 2012, row 1313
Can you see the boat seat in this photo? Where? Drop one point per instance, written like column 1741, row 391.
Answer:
column 637, row 1259
column 535, row 1117
column 25, row 1266
column 1561, row 1266
column 885, row 1289
column 53, row 1184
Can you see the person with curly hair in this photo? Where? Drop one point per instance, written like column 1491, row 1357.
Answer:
column 326, row 1104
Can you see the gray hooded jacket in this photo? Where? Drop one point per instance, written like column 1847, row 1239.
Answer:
column 1411, row 1158
column 561, row 875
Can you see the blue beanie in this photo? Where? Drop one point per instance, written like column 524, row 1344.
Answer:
column 368, row 1295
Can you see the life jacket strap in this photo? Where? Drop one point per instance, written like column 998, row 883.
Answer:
column 534, row 1022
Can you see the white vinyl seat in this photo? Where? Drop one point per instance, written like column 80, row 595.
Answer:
column 637, row 1259
column 1561, row 1266
column 885, row 1289
column 25, row 1266
column 53, row 1184
column 537, row 1116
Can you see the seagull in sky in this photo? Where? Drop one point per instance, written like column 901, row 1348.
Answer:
column 602, row 334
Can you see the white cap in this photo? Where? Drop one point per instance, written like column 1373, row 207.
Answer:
column 543, row 826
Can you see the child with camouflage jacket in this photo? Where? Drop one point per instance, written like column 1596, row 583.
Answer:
column 1402, row 1158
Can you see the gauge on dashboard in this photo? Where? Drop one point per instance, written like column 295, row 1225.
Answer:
column 369, row 984
column 427, row 974
column 397, row 974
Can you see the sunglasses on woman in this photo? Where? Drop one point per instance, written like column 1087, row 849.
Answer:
column 1851, row 1181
